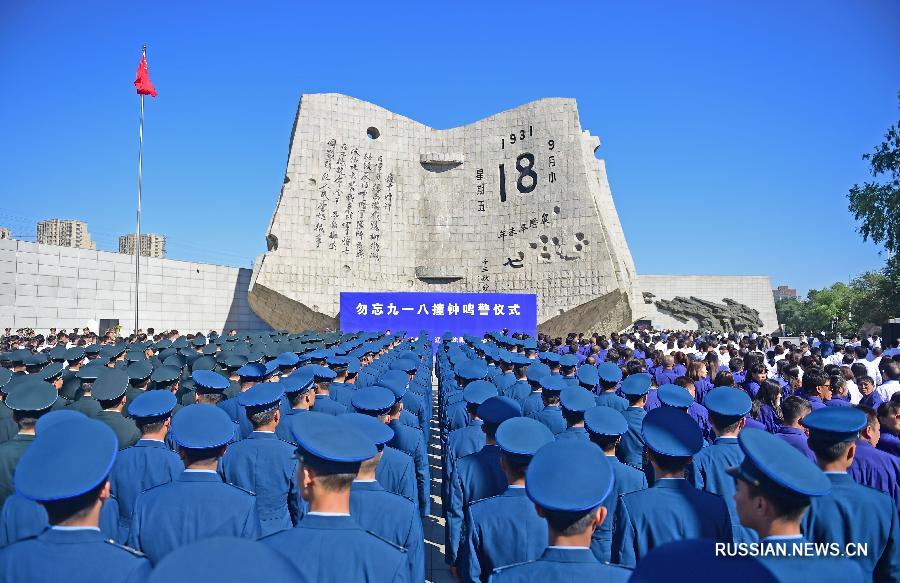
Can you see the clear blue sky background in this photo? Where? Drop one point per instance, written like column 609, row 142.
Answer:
column 731, row 131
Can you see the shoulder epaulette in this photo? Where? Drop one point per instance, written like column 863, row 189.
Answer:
column 505, row 567
column 395, row 545
column 252, row 493
column 134, row 552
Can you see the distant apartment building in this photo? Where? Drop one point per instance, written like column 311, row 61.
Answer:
column 151, row 245
column 66, row 233
column 783, row 292
column 5, row 233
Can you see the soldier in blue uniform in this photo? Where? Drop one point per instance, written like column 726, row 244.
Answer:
column 264, row 464
column 397, row 470
column 568, row 481
column 505, row 529
column 775, row 484
column 851, row 513
column 149, row 462
column 28, row 400
column 210, row 385
column 680, row 397
column 327, row 544
column 672, row 508
column 631, row 448
column 469, row 438
column 606, row 426
column 322, row 376
column 477, row 475
column 533, row 402
column 609, row 376
column 22, row 518
column 727, row 407
column 298, row 392
column 72, row 488
column 384, row 513
column 567, row 365
column 551, row 415
column 198, row 504
column 573, row 402
column 344, row 384
column 109, row 390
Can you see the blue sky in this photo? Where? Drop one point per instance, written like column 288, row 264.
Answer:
column 731, row 131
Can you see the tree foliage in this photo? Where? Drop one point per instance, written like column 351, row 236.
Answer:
column 877, row 203
column 873, row 296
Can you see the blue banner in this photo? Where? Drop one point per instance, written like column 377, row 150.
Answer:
column 438, row 312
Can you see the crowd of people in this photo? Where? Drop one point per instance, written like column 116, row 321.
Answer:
column 304, row 457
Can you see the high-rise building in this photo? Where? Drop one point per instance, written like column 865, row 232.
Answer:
column 5, row 233
column 783, row 292
column 65, row 232
column 151, row 245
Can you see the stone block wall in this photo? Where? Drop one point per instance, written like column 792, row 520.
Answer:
column 44, row 286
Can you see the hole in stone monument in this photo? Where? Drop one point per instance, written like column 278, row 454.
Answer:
column 555, row 241
column 346, row 268
column 286, row 179
column 545, row 256
column 272, row 242
column 544, row 239
column 520, row 254
column 373, row 133
column 315, row 308
column 579, row 236
column 410, row 283
column 578, row 247
column 533, row 245
column 585, row 242
column 556, row 209
column 312, row 181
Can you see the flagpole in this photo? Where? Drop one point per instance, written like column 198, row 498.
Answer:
column 137, row 243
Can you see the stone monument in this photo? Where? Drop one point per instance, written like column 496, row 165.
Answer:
column 374, row 201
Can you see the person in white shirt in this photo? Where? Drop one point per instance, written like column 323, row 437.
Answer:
column 892, row 385
column 861, row 353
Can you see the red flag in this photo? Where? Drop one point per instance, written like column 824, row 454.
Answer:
column 142, row 82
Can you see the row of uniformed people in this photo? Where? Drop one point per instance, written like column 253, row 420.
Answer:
column 397, row 473
column 702, row 505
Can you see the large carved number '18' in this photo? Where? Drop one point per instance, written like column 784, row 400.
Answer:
column 526, row 170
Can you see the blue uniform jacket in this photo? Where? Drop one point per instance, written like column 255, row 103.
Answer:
column 561, row 564
column 631, row 448
column 551, row 416
column 238, row 414
column 336, row 548
column 196, row 506
column 574, row 433
column 396, row 473
column 266, row 466
column 625, row 479
column 325, row 404
column 73, row 556
column 533, row 405
column 146, row 464
column 708, row 474
column 22, row 518
column 501, row 530
column 475, row 476
column 411, row 442
column 852, row 513
column 393, row 518
column 672, row 509
column 612, row 400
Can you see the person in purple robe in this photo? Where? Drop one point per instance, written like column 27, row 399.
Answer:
column 889, row 419
column 872, row 467
column 793, row 410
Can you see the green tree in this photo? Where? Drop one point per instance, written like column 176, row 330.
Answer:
column 877, row 203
